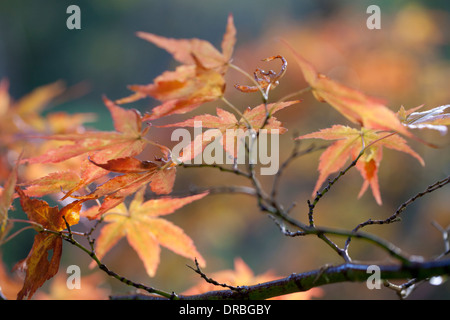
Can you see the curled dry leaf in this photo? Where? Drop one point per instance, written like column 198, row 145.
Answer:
column 266, row 80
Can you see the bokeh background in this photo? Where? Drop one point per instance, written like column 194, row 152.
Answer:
column 406, row 62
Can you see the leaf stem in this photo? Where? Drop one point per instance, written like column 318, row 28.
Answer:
column 232, row 106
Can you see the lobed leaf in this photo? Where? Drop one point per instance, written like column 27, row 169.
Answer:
column 145, row 231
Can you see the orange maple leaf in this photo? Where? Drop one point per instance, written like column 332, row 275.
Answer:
column 145, row 231
column 369, row 112
column 160, row 177
column 350, row 142
column 37, row 265
column 228, row 130
column 126, row 141
column 199, row 79
column 6, row 199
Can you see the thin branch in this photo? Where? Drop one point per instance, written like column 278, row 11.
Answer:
column 395, row 217
column 319, row 195
column 210, row 280
column 347, row 272
column 234, row 170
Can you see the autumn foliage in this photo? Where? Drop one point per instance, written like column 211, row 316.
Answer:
column 102, row 177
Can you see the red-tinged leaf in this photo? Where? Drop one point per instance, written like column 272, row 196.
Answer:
column 89, row 173
column 197, row 145
column 369, row 170
column 127, row 165
column 163, row 180
column 145, row 231
column 228, row 129
column 257, row 115
column 49, row 217
column 224, row 120
column 37, row 265
column 350, row 142
column 181, row 91
column 193, row 51
column 198, row 80
column 359, row 108
column 6, row 199
column 125, row 121
column 120, row 186
column 229, row 39
column 103, row 146
column 52, row 183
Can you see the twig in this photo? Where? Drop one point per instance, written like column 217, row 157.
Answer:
column 319, row 195
column 401, row 208
column 210, row 280
column 348, row 272
column 234, row 170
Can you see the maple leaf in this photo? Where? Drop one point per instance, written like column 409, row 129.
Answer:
column 197, row 51
column 52, row 183
column 37, row 265
column 145, row 230
column 369, row 112
column 182, row 90
column 349, row 143
column 6, row 199
column 126, row 141
column 226, row 128
column 199, row 79
column 434, row 118
column 29, row 107
column 137, row 173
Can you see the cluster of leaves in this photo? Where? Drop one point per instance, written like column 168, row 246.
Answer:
column 99, row 170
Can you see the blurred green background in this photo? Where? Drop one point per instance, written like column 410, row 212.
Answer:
column 406, row 62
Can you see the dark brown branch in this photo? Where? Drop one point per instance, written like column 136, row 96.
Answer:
column 347, row 272
column 210, row 280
